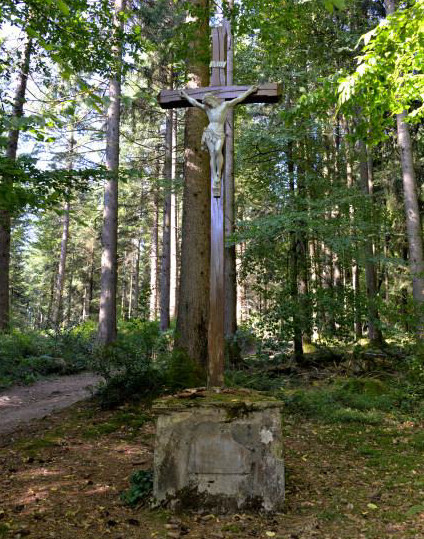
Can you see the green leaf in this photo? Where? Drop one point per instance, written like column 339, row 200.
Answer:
column 31, row 32
column 64, row 8
column 340, row 4
column 415, row 510
column 329, row 5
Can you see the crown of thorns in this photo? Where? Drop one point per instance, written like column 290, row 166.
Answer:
column 210, row 95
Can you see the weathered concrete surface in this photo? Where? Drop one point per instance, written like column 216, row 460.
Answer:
column 219, row 456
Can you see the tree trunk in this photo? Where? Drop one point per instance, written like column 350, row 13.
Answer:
column 174, row 226
column 70, row 296
column 413, row 220
column 193, row 302
column 355, row 268
column 60, row 280
column 412, row 212
column 230, row 287
column 91, row 281
column 5, row 215
column 108, row 280
column 374, row 332
column 124, row 278
column 154, row 255
column 136, row 298
column 165, row 285
column 294, row 267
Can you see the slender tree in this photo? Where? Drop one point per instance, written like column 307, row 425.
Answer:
column 165, row 285
column 374, row 332
column 230, row 314
column 412, row 210
column 60, row 279
column 107, row 314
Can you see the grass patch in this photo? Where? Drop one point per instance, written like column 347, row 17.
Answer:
column 365, row 401
column 121, row 419
column 34, row 446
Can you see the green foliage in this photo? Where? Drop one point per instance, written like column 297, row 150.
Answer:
column 141, row 488
column 24, row 186
column 182, row 371
column 141, row 364
column 132, row 365
column 24, row 357
column 357, row 400
column 253, row 380
column 389, row 73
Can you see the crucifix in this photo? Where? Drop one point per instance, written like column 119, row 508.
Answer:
column 216, row 100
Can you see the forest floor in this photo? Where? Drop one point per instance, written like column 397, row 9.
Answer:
column 20, row 404
column 61, row 477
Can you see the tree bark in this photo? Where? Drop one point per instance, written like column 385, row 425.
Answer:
column 230, row 313
column 5, row 214
column 136, row 280
column 68, row 316
column 154, row 254
column 91, row 281
column 165, row 286
column 193, row 302
column 294, row 267
column 174, row 226
column 108, row 281
column 60, row 279
column 413, row 221
column 355, row 271
column 412, row 212
column 374, row 332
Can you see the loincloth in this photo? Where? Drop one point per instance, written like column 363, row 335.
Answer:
column 212, row 136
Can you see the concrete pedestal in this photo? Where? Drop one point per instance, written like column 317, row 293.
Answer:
column 221, row 454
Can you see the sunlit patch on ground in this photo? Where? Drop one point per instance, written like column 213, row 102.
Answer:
column 9, row 401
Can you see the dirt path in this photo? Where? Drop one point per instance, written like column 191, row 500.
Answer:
column 20, row 404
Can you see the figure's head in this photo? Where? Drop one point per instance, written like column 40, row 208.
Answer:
column 210, row 100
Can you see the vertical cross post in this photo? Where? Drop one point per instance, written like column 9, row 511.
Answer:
column 169, row 99
column 217, row 292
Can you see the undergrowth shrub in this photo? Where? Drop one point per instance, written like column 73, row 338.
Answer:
column 141, row 364
column 141, row 487
column 132, row 365
column 359, row 400
column 24, row 357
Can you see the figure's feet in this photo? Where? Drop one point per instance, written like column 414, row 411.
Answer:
column 216, row 189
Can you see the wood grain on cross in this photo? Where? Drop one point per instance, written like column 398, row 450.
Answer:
column 267, row 93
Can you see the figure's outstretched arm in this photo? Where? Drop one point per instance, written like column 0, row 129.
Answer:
column 191, row 100
column 243, row 96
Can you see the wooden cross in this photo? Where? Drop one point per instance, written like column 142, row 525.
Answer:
column 267, row 93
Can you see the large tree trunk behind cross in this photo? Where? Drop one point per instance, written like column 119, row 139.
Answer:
column 193, row 302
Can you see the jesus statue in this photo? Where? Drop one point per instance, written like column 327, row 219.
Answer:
column 213, row 137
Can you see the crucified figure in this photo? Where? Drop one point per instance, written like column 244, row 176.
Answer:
column 214, row 135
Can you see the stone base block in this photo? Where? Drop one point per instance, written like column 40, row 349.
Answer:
column 220, row 456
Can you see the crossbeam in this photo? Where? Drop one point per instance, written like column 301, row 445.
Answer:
column 267, row 93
